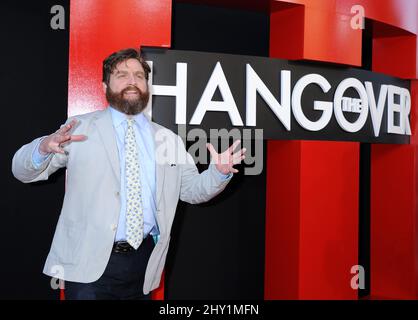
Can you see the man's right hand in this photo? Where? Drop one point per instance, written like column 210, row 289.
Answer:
column 53, row 143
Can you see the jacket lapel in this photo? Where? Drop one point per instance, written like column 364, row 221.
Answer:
column 159, row 165
column 107, row 133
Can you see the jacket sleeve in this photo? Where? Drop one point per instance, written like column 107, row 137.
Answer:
column 195, row 187
column 24, row 169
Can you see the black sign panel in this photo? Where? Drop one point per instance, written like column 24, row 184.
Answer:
column 288, row 100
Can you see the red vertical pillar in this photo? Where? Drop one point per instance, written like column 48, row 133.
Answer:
column 100, row 27
column 312, row 186
column 394, row 216
column 311, row 219
column 393, row 258
column 281, row 276
column 313, row 30
column 326, row 36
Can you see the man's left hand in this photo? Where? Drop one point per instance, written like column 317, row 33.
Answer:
column 226, row 160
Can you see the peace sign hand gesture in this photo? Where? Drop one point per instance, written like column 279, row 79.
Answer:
column 54, row 142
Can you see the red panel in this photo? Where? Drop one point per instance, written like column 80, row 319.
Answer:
column 395, row 56
column 393, row 222
column 323, row 268
column 99, row 28
column 394, row 214
column 330, row 38
column 398, row 20
column 328, row 219
column 312, row 204
column 326, row 35
column 287, row 26
column 398, row 13
column 282, row 220
column 311, row 219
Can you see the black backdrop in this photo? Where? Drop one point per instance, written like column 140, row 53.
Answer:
column 34, row 79
column 217, row 248
column 217, row 252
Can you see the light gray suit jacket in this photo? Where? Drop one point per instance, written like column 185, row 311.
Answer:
column 86, row 228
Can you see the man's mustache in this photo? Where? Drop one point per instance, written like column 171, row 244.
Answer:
column 131, row 88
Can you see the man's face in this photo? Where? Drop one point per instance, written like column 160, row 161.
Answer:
column 128, row 89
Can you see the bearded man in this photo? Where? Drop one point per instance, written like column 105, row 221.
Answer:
column 113, row 233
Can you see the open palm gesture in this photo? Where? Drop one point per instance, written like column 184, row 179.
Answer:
column 226, row 160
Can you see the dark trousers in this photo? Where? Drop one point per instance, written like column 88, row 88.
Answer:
column 123, row 278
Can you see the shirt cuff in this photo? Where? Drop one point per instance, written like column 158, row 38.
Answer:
column 37, row 158
column 223, row 176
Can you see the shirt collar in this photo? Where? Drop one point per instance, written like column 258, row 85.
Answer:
column 119, row 117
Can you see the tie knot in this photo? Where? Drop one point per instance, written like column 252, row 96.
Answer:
column 130, row 122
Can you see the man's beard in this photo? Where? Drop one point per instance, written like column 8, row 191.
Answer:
column 127, row 106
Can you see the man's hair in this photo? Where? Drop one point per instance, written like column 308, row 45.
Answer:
column 110, row 63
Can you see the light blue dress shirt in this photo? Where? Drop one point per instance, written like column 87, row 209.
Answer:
column 37, row 157
column 146, row 154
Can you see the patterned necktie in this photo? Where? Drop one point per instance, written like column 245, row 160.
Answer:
column 134, row 214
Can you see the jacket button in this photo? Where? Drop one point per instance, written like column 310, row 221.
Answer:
column 117, row 193
column 113, row 227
